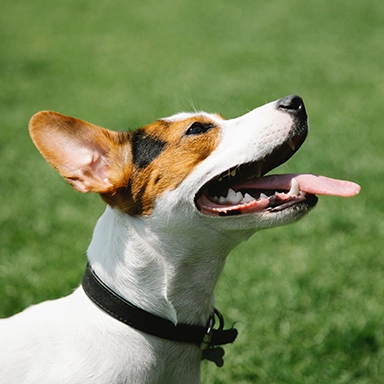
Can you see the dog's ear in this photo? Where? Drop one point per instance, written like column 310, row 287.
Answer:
column 90, row 158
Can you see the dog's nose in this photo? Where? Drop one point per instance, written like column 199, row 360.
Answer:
column 293, row 104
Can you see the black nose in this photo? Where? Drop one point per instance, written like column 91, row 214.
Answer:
column 293, row 104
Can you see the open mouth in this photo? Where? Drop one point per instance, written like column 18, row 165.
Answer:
column 245, row 188
column 235, row 191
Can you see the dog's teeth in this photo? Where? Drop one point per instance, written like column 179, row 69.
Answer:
column 291, row 144
column 220, row 179
column 239, row 196
column 294, row 191
column 222, row 200
column 233, row 173
column 231, row 193
column 215, row 199
column 247, row 198
column 263, row 196
column 234, row 197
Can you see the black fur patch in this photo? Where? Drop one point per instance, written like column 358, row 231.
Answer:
column 145, row 149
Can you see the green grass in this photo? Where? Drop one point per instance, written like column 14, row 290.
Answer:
column 307, row 298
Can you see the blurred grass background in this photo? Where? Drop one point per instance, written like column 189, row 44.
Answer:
column 307, row 298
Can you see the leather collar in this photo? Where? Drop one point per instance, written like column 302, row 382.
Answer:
column 135, row 317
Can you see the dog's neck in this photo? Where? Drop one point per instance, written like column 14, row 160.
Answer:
column 172, row 278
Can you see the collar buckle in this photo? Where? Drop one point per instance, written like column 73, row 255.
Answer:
column 208, row 334
column 205, row 344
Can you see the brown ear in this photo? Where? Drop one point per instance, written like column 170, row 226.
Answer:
column 90, row 158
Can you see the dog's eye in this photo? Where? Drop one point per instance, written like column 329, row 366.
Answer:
column 198, row 128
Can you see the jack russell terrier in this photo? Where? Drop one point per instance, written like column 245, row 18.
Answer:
column 181, row 193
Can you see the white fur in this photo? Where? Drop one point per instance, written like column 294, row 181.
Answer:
column 167, row 263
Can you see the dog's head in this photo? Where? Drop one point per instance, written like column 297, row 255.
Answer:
column 191, row 164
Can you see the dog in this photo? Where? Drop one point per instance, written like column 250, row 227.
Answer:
column 181, row 193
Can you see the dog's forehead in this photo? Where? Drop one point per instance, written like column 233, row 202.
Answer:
column 173, row 128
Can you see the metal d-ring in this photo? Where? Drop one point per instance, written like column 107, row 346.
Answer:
column 220, row 317
column 209, row 332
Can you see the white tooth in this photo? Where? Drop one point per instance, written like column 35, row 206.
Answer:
column 230, row 193
column 291, row 144
column 233, row 197
column 263, row 196
column 222, row 200
column 233, row 173
column 247, row 198
column 239, row 196
column 220, row 179
column 215, row 199
column 294, row 191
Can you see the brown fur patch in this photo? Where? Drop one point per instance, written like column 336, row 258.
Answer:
column 129, row 170
column 181, row 154
column 83, row 153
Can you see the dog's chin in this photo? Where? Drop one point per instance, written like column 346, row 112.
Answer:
column 289, row 214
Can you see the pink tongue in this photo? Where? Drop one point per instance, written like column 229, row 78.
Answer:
column 313, row 184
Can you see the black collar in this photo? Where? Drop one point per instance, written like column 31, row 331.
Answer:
column 135, row 317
